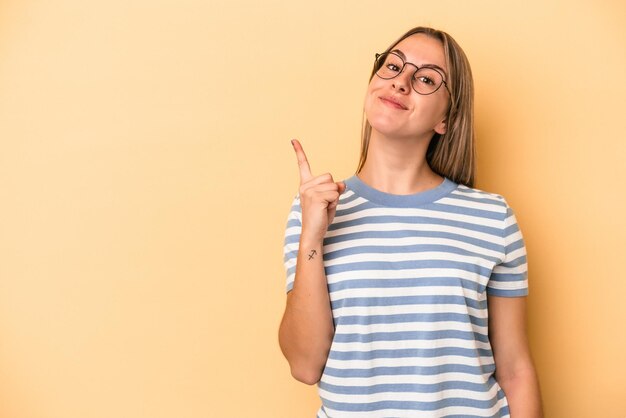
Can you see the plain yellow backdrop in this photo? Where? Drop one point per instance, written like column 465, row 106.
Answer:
column 146, row 175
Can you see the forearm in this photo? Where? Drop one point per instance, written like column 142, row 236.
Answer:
column 515, row 371
column 522, row 392
column 306, row 330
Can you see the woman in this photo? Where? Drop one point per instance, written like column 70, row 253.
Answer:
column 406, row 287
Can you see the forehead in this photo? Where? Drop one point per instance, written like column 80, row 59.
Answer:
column 421, row 49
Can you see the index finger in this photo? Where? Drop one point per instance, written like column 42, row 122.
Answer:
column 303, row 163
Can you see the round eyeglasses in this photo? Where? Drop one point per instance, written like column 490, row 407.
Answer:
column 425, row 80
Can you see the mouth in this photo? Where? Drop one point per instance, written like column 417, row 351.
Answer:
column 392, row 102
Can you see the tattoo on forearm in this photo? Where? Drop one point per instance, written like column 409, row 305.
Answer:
column 312, row 254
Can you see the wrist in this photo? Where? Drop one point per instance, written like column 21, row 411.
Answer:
column 310, row 241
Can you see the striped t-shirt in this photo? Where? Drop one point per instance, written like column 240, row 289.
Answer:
column 408, row 278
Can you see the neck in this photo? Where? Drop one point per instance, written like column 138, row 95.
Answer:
column 398, row 166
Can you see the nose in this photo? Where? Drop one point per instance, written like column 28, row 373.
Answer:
column 402, row 82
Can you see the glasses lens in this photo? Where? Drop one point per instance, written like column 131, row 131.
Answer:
column 389, row 65
column 427, row 80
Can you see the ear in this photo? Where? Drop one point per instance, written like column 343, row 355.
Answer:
column 441, row 128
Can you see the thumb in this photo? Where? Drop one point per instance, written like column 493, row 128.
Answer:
column 342, row 188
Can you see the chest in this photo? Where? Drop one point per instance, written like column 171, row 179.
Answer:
column 398, row 264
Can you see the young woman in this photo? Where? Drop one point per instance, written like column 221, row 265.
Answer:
column 406, row 286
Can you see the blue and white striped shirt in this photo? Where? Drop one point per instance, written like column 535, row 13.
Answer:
column 408, row 279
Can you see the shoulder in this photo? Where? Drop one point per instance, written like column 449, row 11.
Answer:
column 480, row 199
column 478, row 194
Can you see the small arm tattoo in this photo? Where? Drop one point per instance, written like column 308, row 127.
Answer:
column 312, row 254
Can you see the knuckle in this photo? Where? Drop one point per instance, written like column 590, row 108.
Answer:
column 327, row 177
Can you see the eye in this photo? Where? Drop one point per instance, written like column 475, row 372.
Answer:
column 428, row 77
column 425, row 80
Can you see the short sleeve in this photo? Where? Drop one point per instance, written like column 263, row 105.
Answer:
column 292, row 241
column 509, row 278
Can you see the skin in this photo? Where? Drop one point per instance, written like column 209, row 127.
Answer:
column 307, row 329
column 403, row 122
column 515, row 371
column 396, row 160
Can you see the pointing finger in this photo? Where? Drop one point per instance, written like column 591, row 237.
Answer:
column 303, row 163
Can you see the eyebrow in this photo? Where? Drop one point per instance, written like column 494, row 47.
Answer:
column 434, row 66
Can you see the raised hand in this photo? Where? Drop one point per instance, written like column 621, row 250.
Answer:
column 319, row 197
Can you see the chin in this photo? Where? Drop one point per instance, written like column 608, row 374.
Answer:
column 382, row 123
column 386, row 127
column 385, row 123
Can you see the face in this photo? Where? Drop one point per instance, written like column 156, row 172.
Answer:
column 394, row 109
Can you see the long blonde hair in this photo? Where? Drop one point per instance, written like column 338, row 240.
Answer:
column 453, row 153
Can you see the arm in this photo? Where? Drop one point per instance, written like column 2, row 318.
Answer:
column 514, row 367
column 307, row 329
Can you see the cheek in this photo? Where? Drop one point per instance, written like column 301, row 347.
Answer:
column 367, row 102
column 444, row 104
column 370, row 96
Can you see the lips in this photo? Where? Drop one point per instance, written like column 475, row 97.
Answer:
column 393, row 102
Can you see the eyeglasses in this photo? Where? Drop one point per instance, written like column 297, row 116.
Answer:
column 425, row 80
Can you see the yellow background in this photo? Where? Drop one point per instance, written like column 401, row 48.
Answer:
column 146, row 175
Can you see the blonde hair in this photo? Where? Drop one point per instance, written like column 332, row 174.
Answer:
column 453, row 153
